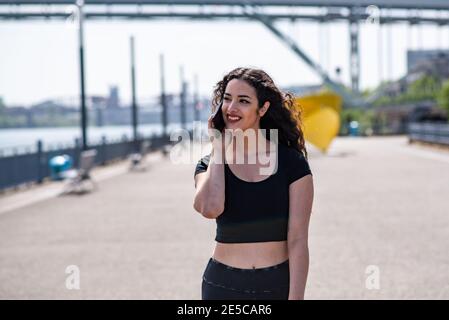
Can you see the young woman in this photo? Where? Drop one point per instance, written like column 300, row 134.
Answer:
column 262, row 219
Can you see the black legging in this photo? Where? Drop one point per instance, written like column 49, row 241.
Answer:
column 221, row 282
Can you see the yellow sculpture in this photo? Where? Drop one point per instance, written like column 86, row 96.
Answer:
column 320, row 118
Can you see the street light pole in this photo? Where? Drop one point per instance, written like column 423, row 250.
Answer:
column 182, row 104
column 80, row 4
column 196, row 100
column 133, row 91
column 163, row 97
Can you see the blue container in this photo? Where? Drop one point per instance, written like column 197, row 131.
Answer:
column 354, row 128
column 59, row 164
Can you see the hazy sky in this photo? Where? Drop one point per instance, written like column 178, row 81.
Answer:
column 39, row 60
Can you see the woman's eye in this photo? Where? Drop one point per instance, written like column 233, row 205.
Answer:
column 244, row 101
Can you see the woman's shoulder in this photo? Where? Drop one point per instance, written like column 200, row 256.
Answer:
column 296, row 164
column 289, row 151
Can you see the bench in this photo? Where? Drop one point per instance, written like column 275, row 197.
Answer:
column 137, row 160
column 79, row 178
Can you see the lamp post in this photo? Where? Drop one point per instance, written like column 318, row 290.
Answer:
column 80, row 4
column 133, row 91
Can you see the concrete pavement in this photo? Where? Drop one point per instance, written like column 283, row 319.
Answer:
column 380, row 208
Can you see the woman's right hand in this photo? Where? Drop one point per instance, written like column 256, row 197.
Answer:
column 219, row 140
column 210, row 186
column 210, row 125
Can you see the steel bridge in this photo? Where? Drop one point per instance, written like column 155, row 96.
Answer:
column 267, row 12
column 353, row 11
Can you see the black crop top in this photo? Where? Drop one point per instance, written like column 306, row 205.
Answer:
column 258, row 211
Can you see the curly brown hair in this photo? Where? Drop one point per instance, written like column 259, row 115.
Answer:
column 281, row 115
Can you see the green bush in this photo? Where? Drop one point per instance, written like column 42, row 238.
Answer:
column 443, row 96
column 365, row 119
column 424, row 88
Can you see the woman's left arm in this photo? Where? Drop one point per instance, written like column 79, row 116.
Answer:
column 300, row 208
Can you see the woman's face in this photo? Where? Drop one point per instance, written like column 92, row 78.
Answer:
column 240, row 106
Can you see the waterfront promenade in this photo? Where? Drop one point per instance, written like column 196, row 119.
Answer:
column 378, row 202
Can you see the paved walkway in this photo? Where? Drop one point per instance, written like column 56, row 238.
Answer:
column 378, row 201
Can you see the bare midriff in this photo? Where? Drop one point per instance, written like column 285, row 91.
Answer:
column 251, row 255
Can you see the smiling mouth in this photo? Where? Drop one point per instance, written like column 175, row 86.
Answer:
column 233, row 119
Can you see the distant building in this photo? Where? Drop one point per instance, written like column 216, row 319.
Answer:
column 418, row 57
column 98, row 104
column 420, row 63
column 113, row 99
column 102, row 111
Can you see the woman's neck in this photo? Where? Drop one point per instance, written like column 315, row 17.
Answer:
column 247, row 146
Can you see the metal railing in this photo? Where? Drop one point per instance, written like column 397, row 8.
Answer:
column 429, row 132
column 33, row 167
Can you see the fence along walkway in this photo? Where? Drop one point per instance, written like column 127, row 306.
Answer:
column 32, row 167
column 429, row 132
